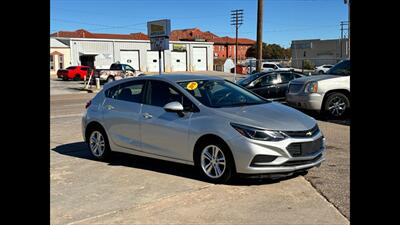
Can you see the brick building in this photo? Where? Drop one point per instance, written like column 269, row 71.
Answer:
column 224, row 47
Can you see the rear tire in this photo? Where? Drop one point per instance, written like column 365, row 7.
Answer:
column 321, row 72
column 110, row 79
column 65, row 78
column 98, row 144
column 218, row 167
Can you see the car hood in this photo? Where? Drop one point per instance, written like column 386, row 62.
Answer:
column 306, row 79
column 272, row 116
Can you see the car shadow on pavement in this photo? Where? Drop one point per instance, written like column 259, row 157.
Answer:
column 80, row 150
column 342, row 121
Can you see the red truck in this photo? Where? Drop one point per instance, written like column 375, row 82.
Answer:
column 73, row 72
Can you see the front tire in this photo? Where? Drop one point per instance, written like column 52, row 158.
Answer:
column 98, row 144
column 214, row 161
column 321, row 72
column 336, row 105
column 77, row 77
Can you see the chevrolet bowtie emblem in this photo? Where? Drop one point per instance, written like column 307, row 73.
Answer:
column 309, row 133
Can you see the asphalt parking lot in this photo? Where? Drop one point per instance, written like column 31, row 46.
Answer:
column 137, row 190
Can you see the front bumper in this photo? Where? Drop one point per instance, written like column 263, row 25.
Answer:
column 308, row 101
column 244, row 150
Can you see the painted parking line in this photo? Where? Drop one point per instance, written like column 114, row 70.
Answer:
column 66, row 116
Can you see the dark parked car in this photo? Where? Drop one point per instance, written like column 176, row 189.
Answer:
column 270, row 85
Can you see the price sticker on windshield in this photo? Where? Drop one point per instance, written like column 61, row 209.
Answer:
column 192, row 85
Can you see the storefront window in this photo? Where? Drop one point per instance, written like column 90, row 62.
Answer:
column 61, row 62
column 51, row 62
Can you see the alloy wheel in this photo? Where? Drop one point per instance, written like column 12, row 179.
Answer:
column 213, row 161
column 97, row 143
column 337, row 106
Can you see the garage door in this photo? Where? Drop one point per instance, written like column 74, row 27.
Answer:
column 178, row 61
column 131, row 58
column 199, row 59
column 152, row 61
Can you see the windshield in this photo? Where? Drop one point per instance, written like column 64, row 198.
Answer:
column 340, row 69
column 250, row 78
column 220, row 93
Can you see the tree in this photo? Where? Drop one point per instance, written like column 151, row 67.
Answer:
column 270, row 51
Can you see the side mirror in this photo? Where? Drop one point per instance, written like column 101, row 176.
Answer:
column 251, row 84
column 174, row 107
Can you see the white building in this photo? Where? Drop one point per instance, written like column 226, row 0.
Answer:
column 59, row 56
column 101, row 53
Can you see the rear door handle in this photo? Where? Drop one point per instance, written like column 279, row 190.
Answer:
column 147, row 115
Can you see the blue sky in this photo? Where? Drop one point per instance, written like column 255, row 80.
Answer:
column 284, row 20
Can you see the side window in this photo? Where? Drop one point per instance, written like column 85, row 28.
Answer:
column 130, row 91
column 127, row 67
column 115, row 67
column 286, row 77
column 269, row 66
column 162, row 93
column 84, row 68
column 296, row 75
column 51, row 62
column 269, row 80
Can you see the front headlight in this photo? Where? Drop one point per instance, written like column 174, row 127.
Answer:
column 258, row 134
column 311, row 87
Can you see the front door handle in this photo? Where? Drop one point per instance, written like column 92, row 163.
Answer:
column 147, row 115
column 109, row 107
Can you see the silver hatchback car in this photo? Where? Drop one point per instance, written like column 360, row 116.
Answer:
column 211, row 123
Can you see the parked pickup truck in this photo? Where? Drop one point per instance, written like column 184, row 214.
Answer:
column 117, row 71
column 324, row 93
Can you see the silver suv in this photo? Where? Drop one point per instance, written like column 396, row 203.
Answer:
column 211, row 123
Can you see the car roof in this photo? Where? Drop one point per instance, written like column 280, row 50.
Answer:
column 183, row 77
column 174, row 78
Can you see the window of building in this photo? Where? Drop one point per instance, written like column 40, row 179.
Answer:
column 51, row 62
column 61, row 61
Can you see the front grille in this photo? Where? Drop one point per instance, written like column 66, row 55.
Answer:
column 301, row 162
column 294, row 88
column 303, row 134
column 305, row 148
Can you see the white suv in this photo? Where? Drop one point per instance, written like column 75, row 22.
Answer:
column 324, row 93
column 272, row 66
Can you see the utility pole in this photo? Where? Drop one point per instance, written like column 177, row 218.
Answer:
column 349, row 26
column 348, row 6
column 236, row 20
column 259, row 34
column 341, row 39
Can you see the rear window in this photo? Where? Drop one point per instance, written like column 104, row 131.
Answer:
column 71, row 68
column 84, row 68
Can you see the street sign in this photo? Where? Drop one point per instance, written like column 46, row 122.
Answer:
column 159, row 28
column 158, row 32
column 159, row 43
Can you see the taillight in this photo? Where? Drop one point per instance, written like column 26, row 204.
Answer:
column 88, row 104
